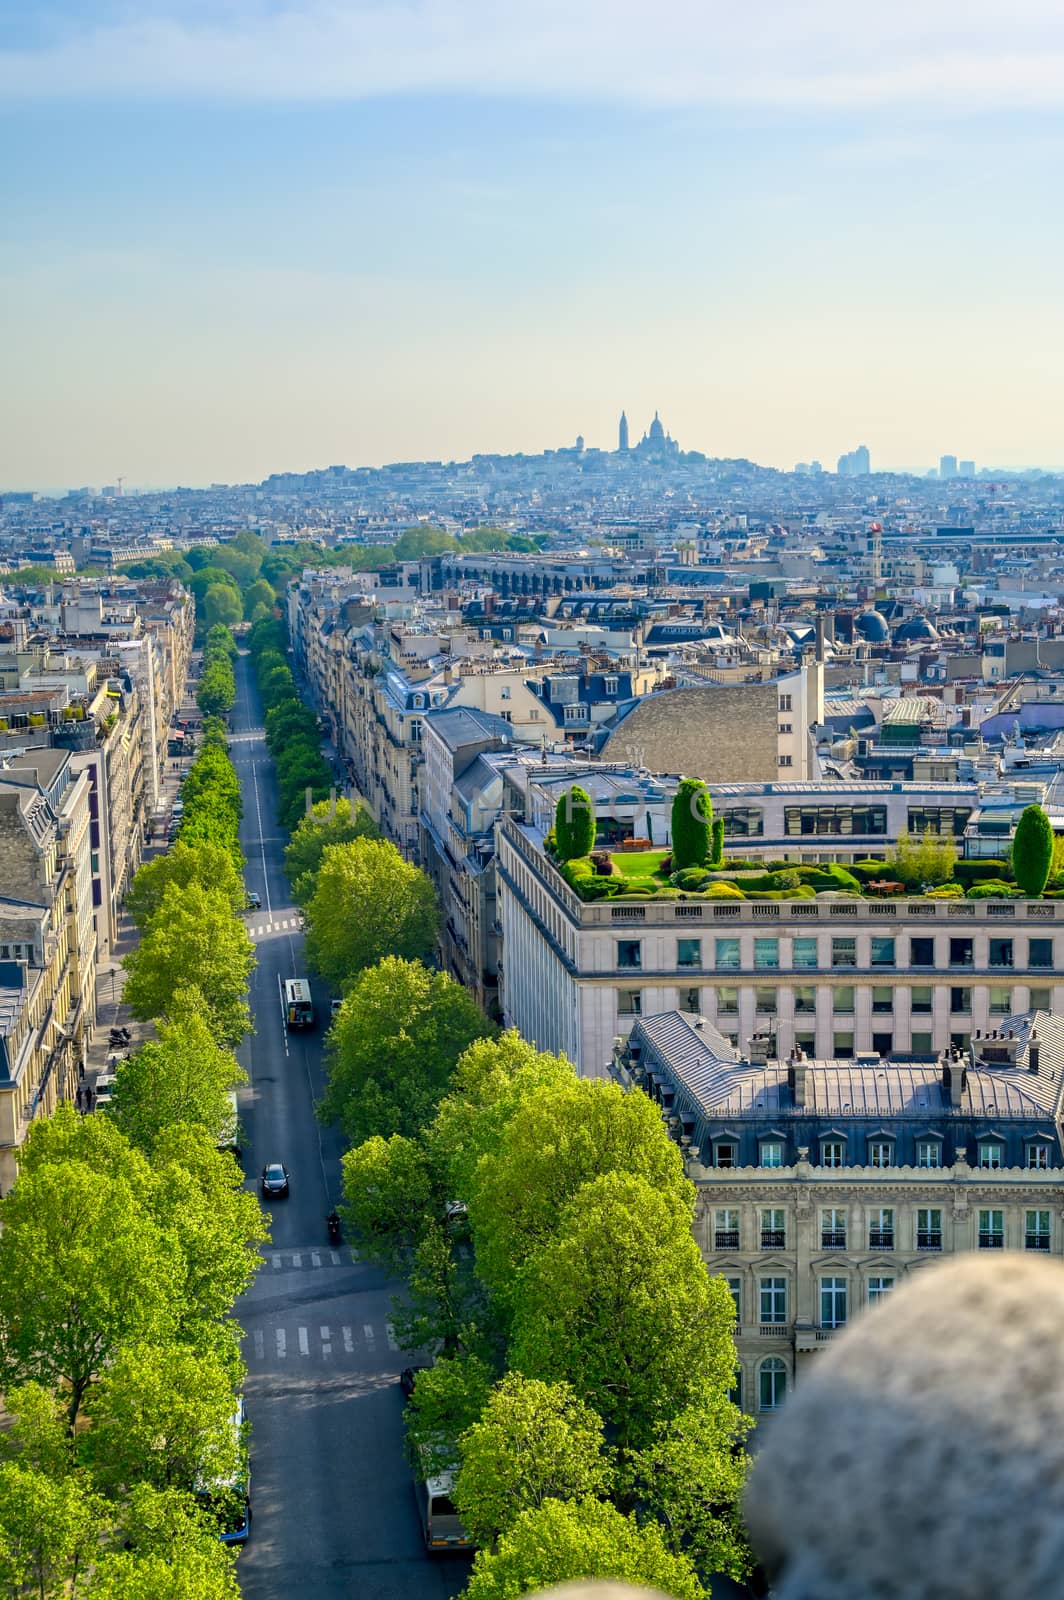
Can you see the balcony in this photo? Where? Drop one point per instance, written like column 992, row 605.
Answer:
column 929, row 1241
column 991, row 1241
column 881, row 1239
column 773, row 1239
column 809, row 1338
column 726, row 1239
column 774, row 1330
column 1036, row 1241
column 833, row 1241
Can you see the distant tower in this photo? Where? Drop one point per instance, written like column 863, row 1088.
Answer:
column 622, row 433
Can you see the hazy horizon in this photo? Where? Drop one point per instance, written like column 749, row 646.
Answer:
column 252, row 238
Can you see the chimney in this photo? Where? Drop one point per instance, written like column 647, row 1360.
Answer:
column 1034, row 1051
column 820, row 636
column 953, row 1076
column 796, row 1075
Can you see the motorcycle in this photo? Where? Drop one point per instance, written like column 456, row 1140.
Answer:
column 120, row 1036
column 332, row 1222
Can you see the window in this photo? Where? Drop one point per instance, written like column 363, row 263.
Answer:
column 804, row 1000
column 786, row 761
column 1038, row 1155
column 804, row 953
column 610, row 685
column 928, row 1153
column 835, row 820
column 882, row 952
column 727, row 955
column 1039, row 952
column 844, row 999
column 771, row 1153
column 773, row 1300
column 726, row 1230
column 842, row 1046
column 882, row 1001
column 727, row 1001
column 1036, row 1230
column 786, row 727
column 766, row 954
column 504, row 694
column 960, row 1000
column 1001, row 952
column 1000, row 1001
column 1041, row 1000
column 832, row 1153
column 744, row 822
column 881, row 1228
column 771, row 1384
column 881, row 1153
column 629, row 952
column 688, row 952
column 921, row 952
column 928, row 1229
column 724, row 1154
column 938, row 819
column 991, row 1230
column 833, row 1302
column 922, row 1044
column 990, row 1154
column 735, row 1286
column 922, row 1000
column 630, row 1003
column 765, row 1002
column 773, row 1228
column 878, row 1289
column 832, row 1229
column 844, row 952
column 690, row 1002
column 961, row 952
column 785, row 702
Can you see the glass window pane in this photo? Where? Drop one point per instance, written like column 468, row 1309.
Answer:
column 766, row 954
column 689, row 952
column 727, row 955
column 804, row 952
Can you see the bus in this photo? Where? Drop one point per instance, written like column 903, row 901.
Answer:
column 230, row 1501
column 298, row 1005
column 441, row 1525
column 229, row 1133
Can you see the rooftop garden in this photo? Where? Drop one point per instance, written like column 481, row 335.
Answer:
column 696, row 865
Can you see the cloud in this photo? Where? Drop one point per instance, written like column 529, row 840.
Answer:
column 943, row 55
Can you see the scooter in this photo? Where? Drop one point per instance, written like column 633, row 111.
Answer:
column 332, row 1222
column 120, row 1036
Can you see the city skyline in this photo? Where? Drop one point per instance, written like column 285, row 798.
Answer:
column 268, row 239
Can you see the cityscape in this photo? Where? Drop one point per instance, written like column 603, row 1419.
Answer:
column 531, row 802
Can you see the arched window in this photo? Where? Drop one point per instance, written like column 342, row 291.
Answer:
column 771, row 1383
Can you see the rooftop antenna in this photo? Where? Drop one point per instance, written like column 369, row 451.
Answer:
column 120, row 482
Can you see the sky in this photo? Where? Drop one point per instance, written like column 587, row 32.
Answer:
column 247, row 236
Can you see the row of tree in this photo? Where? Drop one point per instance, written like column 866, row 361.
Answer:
column 216, row 693
column 292, row 735
column 125, row 1242
column 210, row 796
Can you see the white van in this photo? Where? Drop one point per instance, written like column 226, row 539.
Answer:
column 104, row 1087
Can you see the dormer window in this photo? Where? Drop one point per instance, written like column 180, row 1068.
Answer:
column 990, row 1155
column 610, row 685
column 771, row 1151
column 1038, row 1155
column 419, row 702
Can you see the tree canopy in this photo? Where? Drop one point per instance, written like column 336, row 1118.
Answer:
column 367, row 903
column 315, row 832
column 574, row 824
column 205, row 863
column 182, row 1076
column 193, row 942
column 1032, row 850
column 692, row 825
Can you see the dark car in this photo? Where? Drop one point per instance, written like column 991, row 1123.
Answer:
column 254, row 900
column 274, row 1181
column 408, row 1378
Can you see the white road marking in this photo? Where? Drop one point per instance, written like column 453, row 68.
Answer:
column 276, row 1260
column 335, row 1258
column 260, row 1349
column 326, row 1345
column 391, row 1336
column 297, row 1259
column 349, row 1341
column 367, row 1329
column 281, row 1342
column 304, row 1342
column 315, row 1259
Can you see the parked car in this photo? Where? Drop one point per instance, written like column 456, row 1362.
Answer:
column 275, row 1181
column 254, row 900
column 334, row 1009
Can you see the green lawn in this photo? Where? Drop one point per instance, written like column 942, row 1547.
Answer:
column 638, row 863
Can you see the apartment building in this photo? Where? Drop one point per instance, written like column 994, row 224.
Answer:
column 837, row 975
column 47, row 940
column 822, row 1184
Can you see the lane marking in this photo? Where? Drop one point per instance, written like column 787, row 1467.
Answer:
column 335, row 1258
column 349, row 1341
column 367, row 1329
column 297, row 1259
column 260, row 1345
column 304, row 1342
column 326, row 1344
column 315, row 1259
column 392, row 1345
column 276, row 1260
column 281, row 1344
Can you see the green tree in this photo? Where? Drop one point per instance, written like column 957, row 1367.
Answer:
column 243, row 566
column 560, row 1138
column 182, row 1076
column 315, row 833
column 533, row 1442
column 422, row 541
column 692, row 825
column 216, row 693
column 389, row 1193
column 258, row 594
column 163, row 1415
column 193, row 942
column 563, row 1540
column 38, row 1436
column 48, row 1528
column 1032, row 850
column 79, row 1280
column 200, row 1572
column 448, row 1399
column 574, row 824
column 209, row 865
column 718, row 842
column 926, row 858
column 367, row 903
column 394, row 1046
column 620, row 1305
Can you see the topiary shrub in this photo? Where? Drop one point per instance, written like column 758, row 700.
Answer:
column 693, row 878
column 574, row 823
column 666, row 866
column 599, row 888
column 967, row 872
column 945, row 891
column 724, row 891
column 717, row 855
column 993, row 889
column 692, row 824
column 871, row 871
column 1032, row 850
column 602, row 863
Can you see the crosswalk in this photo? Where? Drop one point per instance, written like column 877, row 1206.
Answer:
column 278, row 925
column 324, row 1341
column 307, row 1259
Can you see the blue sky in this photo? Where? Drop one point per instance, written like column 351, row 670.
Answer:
column 243, row 237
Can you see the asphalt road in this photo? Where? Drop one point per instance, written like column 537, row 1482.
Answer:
column 333, row 1505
